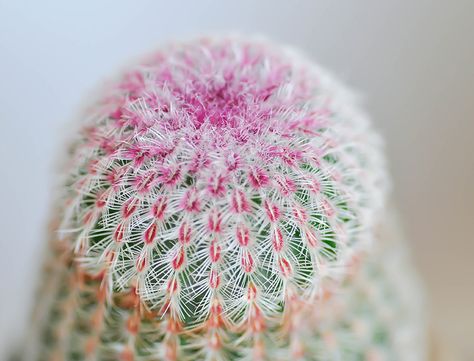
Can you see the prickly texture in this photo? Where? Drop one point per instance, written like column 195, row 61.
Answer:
column 374, row 313
column 215, row 194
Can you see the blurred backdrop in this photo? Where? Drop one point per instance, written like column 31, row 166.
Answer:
column 411, row 61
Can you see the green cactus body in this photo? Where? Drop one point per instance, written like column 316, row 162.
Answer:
column 217, row 198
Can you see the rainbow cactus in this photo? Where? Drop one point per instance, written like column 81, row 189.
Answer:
column 221, row 203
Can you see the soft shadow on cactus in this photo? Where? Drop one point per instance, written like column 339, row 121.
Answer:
column 222, row 202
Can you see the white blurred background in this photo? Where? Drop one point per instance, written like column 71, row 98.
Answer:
column 412, row 60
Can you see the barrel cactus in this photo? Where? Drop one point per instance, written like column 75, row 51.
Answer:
column 221, row 202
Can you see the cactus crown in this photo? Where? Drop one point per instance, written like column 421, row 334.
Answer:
column 218, row 184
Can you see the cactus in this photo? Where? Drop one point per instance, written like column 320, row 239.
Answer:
column 216, row 201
